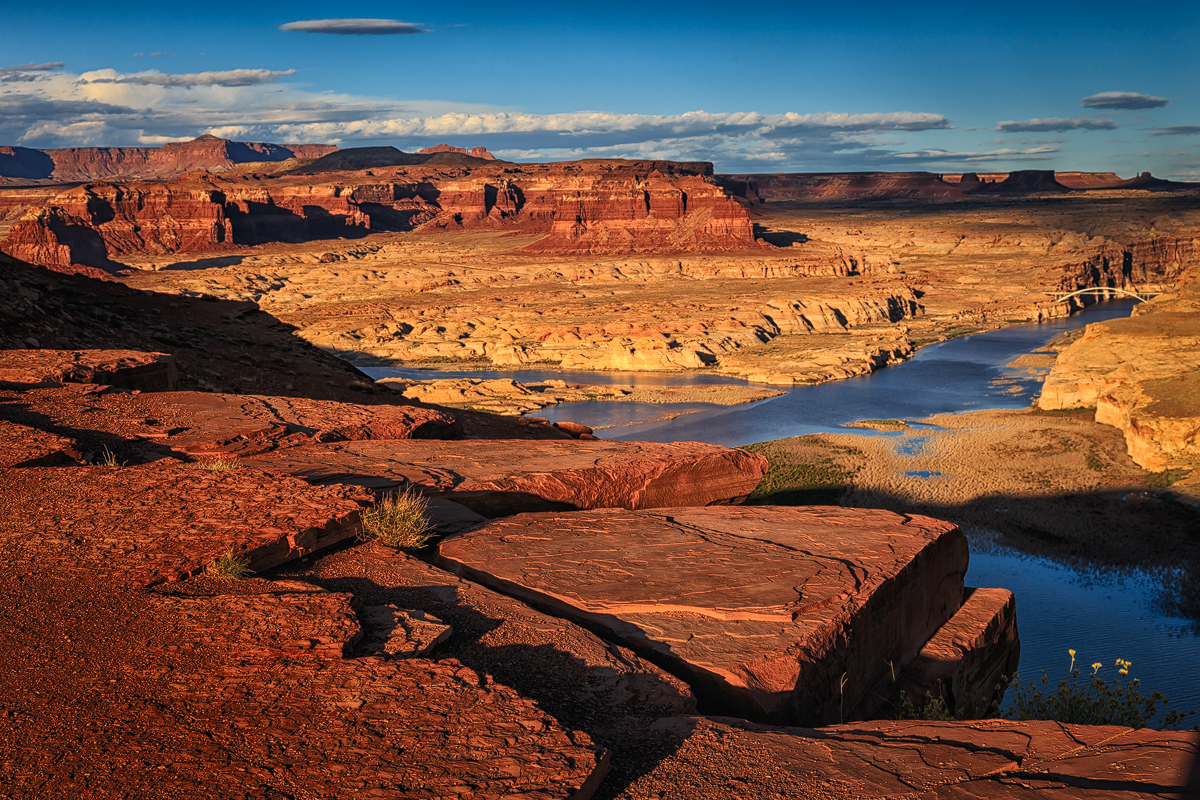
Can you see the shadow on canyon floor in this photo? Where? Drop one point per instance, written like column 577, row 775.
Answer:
column 1102, row 531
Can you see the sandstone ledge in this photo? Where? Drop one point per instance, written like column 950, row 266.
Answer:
column 502, row 477
column 764, row 610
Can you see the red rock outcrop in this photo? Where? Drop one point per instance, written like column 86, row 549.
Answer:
column 78, row 164
column 124, row 369
column 995, row 759
column 785, row 614
column 177, row 519
column 474, row 152
column 505, row 477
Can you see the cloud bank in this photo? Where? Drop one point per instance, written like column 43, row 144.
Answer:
column 233, row 77
column 1055, row 124
column 1177, row 130
column 1124, row 101
column 354, row 27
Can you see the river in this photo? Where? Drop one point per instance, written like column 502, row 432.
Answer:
column 1103, row 615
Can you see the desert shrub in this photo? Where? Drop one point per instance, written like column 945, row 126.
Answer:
column 399, row 520
column 218, row 464
column 1092, row 700
column 229, row 567
column 366, row 387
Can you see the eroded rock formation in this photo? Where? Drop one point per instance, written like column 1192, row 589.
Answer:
column 582, row 207
column 1142, row 375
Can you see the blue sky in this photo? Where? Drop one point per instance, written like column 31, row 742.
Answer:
column 782, row 86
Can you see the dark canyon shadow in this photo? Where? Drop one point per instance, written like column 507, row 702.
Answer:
column 591, row 698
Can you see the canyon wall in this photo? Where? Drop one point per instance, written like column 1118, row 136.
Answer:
column 577, row 208
column 1142, row 375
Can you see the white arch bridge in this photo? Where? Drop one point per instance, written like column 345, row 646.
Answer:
column 1106, row 291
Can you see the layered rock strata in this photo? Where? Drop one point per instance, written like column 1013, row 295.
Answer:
column 775, row 613
column 1142, row 375
column 507, row 396
column 575, row 207
column 505, row 477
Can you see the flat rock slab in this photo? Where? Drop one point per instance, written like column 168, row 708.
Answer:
column 124, row 369
column 153, row 524
column 507, row 476
column 269, row 625
column 204, row 425
column 773, row 613
column 22, row 446
column 723, row 759
column 401, row 632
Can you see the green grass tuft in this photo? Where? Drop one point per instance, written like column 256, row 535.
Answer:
column 229, row 567
column 400, row 520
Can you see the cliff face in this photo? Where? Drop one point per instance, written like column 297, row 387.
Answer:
column 1142, row 375
column 77, row 164
column 587, row 207
column 84, row 226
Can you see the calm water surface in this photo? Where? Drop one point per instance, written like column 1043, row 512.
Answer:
column 1102, row 616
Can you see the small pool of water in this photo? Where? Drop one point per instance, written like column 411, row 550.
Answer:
column 923, row 474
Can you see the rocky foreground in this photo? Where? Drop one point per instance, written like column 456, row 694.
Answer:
column 596, row 604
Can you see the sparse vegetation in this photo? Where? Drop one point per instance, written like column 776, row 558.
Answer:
column 108, row 458
column 1095, row 701
column 366, row 387
column 1093, row 461
column 218, row 464
column 229, row 567
column 1161, row 480
column 400, row 520
column 793, row 480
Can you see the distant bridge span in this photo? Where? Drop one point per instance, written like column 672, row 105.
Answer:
column 1062, row 297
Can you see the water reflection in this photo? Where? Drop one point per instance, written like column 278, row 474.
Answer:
column 1103, row 615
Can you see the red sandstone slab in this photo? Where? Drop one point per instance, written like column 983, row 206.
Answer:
column 773, row 613
column 124, row 369
column 495, row 477
column 990, row 759
column 203, row 424
column 269, row 625
column 156, row 523
column 22, row 446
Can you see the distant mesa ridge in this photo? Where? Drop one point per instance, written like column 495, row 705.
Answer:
column 209, row 153
column 475, row 152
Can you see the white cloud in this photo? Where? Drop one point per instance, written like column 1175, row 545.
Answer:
column 1124, row 101
column 1055, row 124
column 108, row 107
column 1007, row 153
column 354, row 27
column 232, row 77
